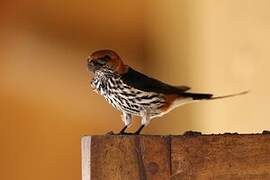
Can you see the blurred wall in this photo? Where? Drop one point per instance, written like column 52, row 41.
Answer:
column 47, row 104
column 212, row 46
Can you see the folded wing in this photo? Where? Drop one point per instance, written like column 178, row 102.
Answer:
column 142, row 82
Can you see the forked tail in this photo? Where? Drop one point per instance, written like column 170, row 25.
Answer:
column 229, row 95
column 202, row 96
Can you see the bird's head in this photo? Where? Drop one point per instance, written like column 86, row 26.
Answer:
column 106, row 59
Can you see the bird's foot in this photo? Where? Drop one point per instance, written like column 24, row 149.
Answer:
column 120, row 133
column 139, row 130
column 125, row 133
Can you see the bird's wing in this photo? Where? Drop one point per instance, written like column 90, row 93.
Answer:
column 142, row 82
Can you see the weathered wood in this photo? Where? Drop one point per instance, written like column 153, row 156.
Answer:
column 228, row 156
column 86, row 153
column 221, row 157
column 130, row 157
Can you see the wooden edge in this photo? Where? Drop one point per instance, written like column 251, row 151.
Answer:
column 88, row 141
column 86, row 157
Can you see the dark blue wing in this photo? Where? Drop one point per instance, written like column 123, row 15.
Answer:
column 142, row 82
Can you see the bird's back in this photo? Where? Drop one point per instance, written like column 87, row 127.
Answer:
column 142, row 82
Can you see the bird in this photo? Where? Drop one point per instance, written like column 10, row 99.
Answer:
column 136, row 94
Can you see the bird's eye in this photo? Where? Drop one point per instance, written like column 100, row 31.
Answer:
column 103, row 60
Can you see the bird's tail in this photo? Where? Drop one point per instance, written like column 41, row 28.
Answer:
column 202, row 96
column 198, row 96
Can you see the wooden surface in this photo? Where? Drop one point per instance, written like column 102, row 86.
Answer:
column 227, row 156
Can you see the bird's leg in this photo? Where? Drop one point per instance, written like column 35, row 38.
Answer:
column 127, row 118
column 140, row 129
column 123, row 130
column 145, row 121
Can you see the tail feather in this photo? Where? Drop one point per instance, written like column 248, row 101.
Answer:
column 203, row 96
column 229, row 95
column 198, row 96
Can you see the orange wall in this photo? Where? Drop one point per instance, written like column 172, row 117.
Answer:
column 47, row 104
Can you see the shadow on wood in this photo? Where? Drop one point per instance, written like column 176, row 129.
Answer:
column 226, row 156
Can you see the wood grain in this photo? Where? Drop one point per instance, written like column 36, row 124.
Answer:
column 227, row 156
column 221, row 157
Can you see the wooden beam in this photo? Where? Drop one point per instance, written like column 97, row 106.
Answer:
column 226, row 156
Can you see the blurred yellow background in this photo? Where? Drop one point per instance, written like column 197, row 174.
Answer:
column 46, row 100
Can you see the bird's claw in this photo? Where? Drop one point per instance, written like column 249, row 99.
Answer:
column 125, row 133
column 120, row 133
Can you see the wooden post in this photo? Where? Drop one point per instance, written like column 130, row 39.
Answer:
column 226, row 156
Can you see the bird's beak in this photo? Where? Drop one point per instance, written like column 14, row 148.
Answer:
column 91, row 66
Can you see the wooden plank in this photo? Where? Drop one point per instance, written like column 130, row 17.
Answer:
column 130, row 157
column 221, row 157
column 155, row 151
column 228, row 156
